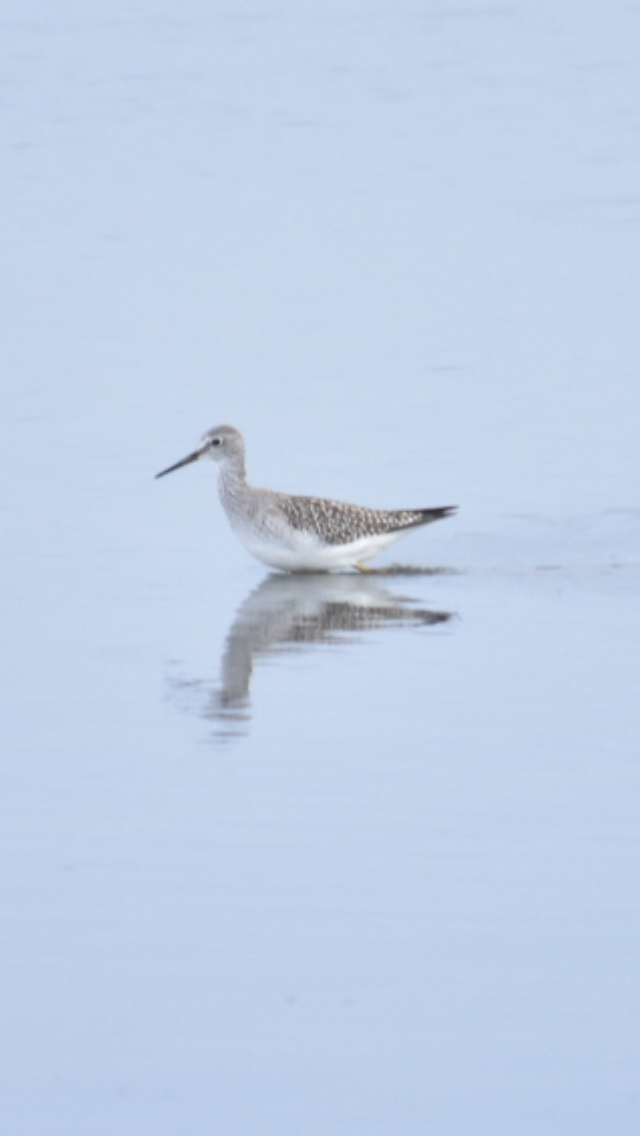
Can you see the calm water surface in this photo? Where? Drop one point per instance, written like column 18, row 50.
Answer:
column 328, row 854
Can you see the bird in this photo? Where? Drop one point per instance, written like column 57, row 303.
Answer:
column 300, row 534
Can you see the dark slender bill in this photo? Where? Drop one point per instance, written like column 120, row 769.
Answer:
column 185, row 461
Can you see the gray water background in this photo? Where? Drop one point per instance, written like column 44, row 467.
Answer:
column 342, row 855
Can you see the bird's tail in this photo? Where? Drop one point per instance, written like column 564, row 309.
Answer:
column 426, row 516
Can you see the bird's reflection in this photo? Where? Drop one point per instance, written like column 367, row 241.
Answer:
column 289, row 613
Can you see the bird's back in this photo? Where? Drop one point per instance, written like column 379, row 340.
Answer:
column 337, row 522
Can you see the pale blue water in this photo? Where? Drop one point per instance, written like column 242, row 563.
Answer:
column 342, row 855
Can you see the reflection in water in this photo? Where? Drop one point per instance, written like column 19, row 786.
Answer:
column 289, row 613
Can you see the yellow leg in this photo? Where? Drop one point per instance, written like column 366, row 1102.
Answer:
column 361, row 568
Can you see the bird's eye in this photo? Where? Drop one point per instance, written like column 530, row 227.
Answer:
column 216, row 441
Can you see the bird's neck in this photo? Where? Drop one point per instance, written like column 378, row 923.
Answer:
column 233, row 469
column 232, row 483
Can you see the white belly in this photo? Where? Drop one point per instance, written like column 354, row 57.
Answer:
column 304, row 553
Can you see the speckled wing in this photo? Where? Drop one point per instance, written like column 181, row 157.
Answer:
column 336, row 522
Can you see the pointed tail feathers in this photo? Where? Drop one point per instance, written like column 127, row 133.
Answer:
column 426, row 516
